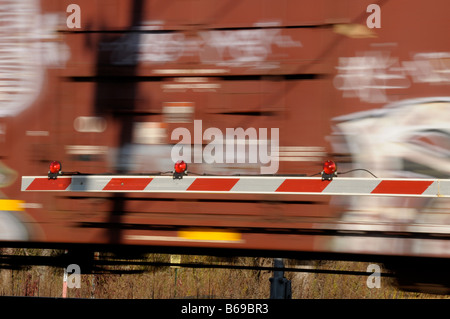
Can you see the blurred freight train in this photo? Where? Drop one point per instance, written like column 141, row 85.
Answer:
column 126, row 86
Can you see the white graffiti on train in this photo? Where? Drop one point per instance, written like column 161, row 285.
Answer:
column 232, row 48
column 371, row 75
column 433, row 67
column 29, row 44
column 368, row 76
column 243, row 47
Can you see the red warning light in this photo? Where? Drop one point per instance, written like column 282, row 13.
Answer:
column 54, row 170
column 180, row 167
column 55, row 167
column 329, row 167
column 329, row 170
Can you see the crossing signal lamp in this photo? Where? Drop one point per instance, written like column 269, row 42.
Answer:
column 54, row 169
column 180, row 169
column 329, row 170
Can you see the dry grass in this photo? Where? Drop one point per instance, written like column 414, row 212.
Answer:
column 168, row 282
column 330, row 286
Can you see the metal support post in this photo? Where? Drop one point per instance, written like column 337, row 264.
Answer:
column 280, row 287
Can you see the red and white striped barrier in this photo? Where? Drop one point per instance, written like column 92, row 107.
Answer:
column 241, row 185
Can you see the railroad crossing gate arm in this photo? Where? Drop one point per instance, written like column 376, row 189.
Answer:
column 349, row 186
